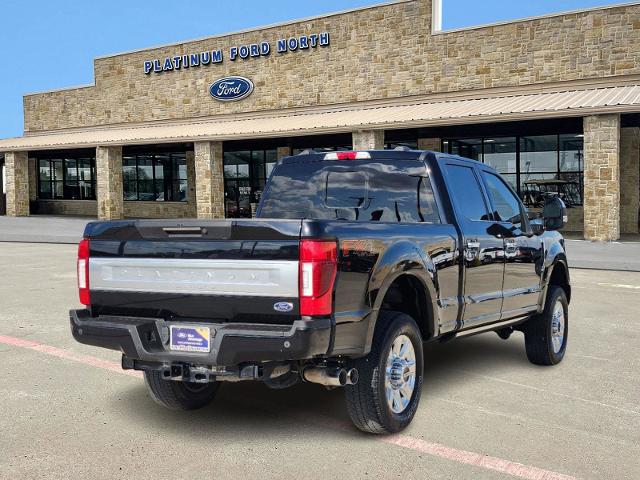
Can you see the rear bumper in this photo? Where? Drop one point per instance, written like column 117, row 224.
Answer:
column 147, row 339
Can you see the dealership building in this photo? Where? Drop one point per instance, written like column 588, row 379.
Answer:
column 193, row 129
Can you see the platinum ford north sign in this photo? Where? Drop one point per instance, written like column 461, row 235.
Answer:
column 243, row 52
column 230, row 89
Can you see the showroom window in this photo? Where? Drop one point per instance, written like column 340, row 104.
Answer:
column 160, row 177
column 338, row 148
column 245, row 175
column 66, row 178
column 535, row 166
column 410, row 144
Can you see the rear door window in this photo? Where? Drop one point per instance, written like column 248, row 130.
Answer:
column 466, row 192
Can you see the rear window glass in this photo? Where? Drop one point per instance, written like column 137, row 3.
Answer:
column 346, row 190
column 391, row 191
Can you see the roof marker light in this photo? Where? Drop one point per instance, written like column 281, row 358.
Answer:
column 348, row 156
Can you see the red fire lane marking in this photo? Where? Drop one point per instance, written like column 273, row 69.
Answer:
column 435, row 449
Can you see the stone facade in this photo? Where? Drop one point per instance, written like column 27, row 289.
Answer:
column 376, row 53
column 629, row 179
column 282, row 152
column 368, row 140
column 209, row 180
column 131, row 209
column 17, row 175
column 602, row 177
column 76, row 208
column 433, row 144
column 159, row 209
column 109, row 183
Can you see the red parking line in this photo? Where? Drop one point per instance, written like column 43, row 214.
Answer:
column 475, row 459
column 435, row 449
column 67, row 355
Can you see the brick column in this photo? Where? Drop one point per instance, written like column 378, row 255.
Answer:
column 602, row 177
column 283, row 152
column 17, row 171
column 209, row 180
column 109, row 183
column 629, row 179
column 368, row 140
column 433, row 144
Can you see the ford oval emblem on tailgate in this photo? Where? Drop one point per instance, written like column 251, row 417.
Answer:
column 229, row 89
column 283, row 307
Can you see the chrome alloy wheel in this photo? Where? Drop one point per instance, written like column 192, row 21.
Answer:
column 400, row 374
column 557, row 327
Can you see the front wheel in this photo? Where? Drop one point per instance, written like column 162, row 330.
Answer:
column 387, row 394
column 546, row 334
column 179, row 395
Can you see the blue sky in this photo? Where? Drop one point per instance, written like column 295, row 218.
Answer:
column 49, row 44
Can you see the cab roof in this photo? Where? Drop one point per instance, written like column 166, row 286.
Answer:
column 399, row 154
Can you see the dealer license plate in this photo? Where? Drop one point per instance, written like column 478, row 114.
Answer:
column 190, row 339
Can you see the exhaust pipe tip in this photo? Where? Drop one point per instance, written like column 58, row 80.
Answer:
column 352, row 376
column 330, row 377
column 342, row 376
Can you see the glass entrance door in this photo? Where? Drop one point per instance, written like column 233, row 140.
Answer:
column 245, row 175
column 237, row 198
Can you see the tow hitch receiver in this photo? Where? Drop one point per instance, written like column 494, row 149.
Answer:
column 183, row 372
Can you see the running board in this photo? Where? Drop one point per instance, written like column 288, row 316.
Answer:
column 490, row 327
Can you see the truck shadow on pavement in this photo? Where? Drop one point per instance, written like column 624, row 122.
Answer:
column 243, row 410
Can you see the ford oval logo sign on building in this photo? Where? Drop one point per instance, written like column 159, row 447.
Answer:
column 231, row 89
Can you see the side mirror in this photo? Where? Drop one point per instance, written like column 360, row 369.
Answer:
column 554, row 214
column 500, row 231
column 537, row 225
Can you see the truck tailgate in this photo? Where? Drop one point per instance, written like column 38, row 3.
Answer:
column 207, row 271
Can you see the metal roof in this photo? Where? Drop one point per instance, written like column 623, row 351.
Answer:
column 575, row 102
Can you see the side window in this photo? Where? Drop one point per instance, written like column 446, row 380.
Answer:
column 506, row 203
column 466, row 192
column 427, row 207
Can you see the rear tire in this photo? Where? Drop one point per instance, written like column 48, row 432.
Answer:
column 387, row 394
column 179, row 395
column 546, row 334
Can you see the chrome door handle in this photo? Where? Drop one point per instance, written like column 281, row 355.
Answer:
column 471, row 250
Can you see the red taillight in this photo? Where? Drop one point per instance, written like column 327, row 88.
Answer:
column 83, row 272
column 318, row 267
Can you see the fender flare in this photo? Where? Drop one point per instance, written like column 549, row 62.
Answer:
column 403, row 258
column 556, row 258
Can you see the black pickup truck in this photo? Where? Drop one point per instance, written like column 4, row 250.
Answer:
column 355, row 260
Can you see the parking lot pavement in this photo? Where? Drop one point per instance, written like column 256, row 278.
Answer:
column 42, row 229
column 69, row 412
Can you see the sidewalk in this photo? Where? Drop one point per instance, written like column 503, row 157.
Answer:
column 623, row 255
column 42, row 229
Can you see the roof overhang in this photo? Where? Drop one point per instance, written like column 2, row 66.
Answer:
column 438, row 111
